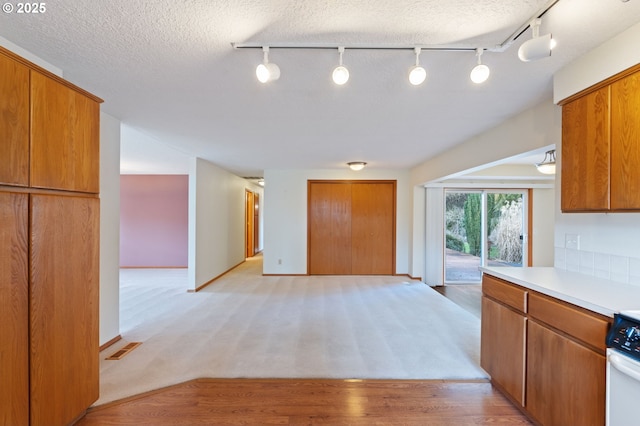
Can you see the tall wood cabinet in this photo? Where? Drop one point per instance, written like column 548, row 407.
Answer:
column 351, row 227
column 601, row 146
column 49, row 239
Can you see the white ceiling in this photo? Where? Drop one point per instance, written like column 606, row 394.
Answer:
column 167, row 69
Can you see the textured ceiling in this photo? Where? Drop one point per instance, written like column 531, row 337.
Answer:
column 167, row 69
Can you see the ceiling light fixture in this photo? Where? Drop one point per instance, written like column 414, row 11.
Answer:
column 267, row 71
column 356, row 165
column 548, row 165
column 539, row 46
column 417, row 74
column 340, row 73
column 479, row 73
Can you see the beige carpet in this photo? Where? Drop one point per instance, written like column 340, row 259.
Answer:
column 247, row 325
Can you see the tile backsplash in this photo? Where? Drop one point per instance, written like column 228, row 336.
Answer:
column 602, row 265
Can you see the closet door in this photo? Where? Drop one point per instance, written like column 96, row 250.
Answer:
column 372, row 228
column 14, row 314
column 63, row 304
column 329, row 228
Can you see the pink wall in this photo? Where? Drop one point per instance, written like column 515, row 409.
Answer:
column 154, row 220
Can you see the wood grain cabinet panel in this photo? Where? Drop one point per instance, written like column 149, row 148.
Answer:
column 565, row 380
column 502, row 350
column 63, row 303
column 14, row 314
column 14, row 131
column 64, row 137
column 625, row 143
column 585, row 152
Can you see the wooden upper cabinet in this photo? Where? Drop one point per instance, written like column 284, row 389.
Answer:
column 64, row 137
column 585, row 152
column 625, row 143
column 14, row 131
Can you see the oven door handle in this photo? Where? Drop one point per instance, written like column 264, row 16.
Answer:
column 624, row 366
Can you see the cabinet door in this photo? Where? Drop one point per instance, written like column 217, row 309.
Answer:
column 14, row 314
column 14, row 122
column 63, row 307
column 625, row 143
column 64, row 137
column 502, row 351
column 565, row 380
column 372, row 228
column 585, row 153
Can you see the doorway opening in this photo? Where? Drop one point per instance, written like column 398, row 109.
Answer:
column 484, row 228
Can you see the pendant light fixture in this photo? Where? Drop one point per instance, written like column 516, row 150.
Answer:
column 539, row 46
column 417, row 74
column 356, row 165
column 267, row 71
column 479, row 73
column 340, row 73
column 548, row 165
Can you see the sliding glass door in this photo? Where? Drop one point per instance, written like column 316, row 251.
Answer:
column 483, row 228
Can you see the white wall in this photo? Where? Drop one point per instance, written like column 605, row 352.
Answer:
column 543, row 226
column 609, row 243
column 109, row 228
column 285, row 215
column 216, row 221
column 533, row 129
column 30, row 56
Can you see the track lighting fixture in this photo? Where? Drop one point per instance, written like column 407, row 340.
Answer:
column 539, row 46
column 356, row 165
column 479, row 73
column 267, row 71
column 340, row 73
column 548, row 165
column 417, row 74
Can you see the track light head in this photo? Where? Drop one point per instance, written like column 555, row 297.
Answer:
column 538, row 47
column 267, row 71
column 479, row 73
column 417, row 74
column 340, row 73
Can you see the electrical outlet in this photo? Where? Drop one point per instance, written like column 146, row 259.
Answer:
column 279, row 261
column 572, row 241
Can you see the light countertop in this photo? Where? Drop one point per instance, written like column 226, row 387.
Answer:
column 595, row 294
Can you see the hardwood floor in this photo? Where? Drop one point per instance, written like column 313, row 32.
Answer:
column 312, row 402
column 468, row 296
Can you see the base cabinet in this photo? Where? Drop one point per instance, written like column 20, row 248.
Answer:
column 565, row 380
column 545, row 354
column 502, row 352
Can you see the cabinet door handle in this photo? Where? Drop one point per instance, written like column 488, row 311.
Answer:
column 624, row 366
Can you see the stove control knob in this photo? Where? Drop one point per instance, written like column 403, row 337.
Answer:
column 632, row 334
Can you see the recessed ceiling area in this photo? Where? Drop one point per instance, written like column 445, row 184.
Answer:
column 168, row 70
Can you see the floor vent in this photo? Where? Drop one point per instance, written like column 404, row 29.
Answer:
column 119, row 354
